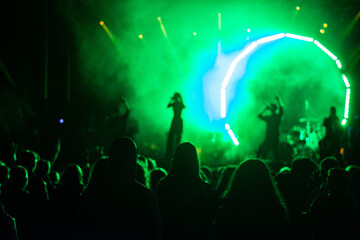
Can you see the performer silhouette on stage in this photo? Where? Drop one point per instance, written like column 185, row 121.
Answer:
column 176, row 128
column 330, row 145
column 271, row 142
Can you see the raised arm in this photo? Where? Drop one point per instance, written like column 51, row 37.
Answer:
column 171, row 102
column 261, row 114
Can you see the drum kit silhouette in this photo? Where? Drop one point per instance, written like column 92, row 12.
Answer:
column 305, row 136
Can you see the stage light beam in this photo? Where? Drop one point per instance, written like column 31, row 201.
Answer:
column 343, row 122
column 162, row 26
column 219, row 21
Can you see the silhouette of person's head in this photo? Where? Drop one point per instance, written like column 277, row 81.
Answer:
column 332, row 111
column 27, row 159
column 251, row 179
column 177, row 97
column 54, row 177
column 19, row 177
column 273, row 107
column 122, row 158
column 155, row 176
column 303, row 168
column 354, row 178
column 338, row 181
column 326, row 164
column 99, row 170
column 73, row 177
column 185, row 162
column 43, row 168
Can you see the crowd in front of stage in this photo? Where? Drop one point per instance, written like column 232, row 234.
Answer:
column 126, row 196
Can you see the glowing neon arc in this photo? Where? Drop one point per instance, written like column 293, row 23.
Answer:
column 251, row 47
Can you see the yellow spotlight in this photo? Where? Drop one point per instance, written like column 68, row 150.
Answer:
column 298, row 8
column 141, row 36
column 101, row 23
column 325, row 25
column 322, row 31
column 194, row 33
column 159, row 18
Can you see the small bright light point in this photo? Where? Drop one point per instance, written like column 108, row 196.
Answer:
column 325, row 25
column 325, row 50
column 322, row 31
column 227, row 126
column 343, row 122
column 297, row 8
column 338, row 63
column 141, row 36
column 248, row 38
column 270, row 38
column 61, row 120
column 159, row 18
column 307, row 39
column 194, row 33
column 248, row 30
column 101, row 23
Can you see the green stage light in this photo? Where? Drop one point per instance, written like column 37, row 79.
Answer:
column 343, row 122
column 325, row 50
